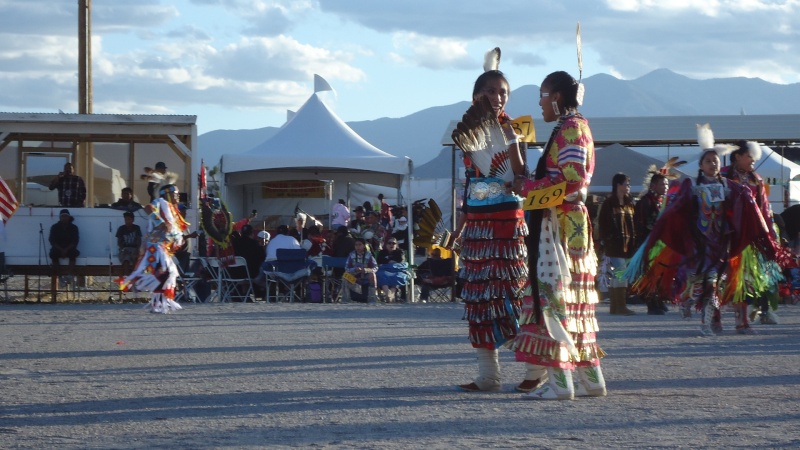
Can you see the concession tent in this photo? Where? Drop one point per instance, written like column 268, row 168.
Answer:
column 314, row 144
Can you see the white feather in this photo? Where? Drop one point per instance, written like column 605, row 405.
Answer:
column 491, row 60
column 705, row 137
column 754, row 150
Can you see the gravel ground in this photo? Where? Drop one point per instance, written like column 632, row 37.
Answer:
column 112, row 376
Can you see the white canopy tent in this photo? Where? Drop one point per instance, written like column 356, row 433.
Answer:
column 314, row 144
column 780, row 175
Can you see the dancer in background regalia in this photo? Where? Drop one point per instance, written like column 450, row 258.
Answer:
column 155, row 271
column 742, row 170
column 708, row 242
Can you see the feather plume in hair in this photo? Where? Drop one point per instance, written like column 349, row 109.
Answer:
column 705, row 139
column 491, row 61
column 666, row 171
column 754, row 150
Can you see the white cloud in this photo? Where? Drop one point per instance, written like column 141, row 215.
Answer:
column 434, row 53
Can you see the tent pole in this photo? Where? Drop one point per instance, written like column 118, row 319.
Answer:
column 410, row 294
column 330, row 202
column 453, row 210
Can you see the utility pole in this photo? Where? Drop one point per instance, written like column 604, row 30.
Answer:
column 85, row 156
column 84, row 56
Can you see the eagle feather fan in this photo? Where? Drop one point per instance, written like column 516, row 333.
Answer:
column 481, row 137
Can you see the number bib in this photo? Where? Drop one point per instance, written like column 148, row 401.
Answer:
column 349, row 277
column 546, row 197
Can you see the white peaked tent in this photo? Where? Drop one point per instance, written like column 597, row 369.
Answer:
column 314, row 144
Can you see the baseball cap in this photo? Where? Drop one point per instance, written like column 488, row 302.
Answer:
column 161, row 165
column 64, row 212
column 263, row 235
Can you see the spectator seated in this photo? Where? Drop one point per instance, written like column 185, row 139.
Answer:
column 393, row 275
column 436, row 276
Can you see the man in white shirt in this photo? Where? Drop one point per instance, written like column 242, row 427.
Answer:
column 341, row 215
column 280, row 240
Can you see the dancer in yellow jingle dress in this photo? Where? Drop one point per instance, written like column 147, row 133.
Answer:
column 155, row 270
column 557, row 324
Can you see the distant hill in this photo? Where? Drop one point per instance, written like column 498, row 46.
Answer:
column 659, row 93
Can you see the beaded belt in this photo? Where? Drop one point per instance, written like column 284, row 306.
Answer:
column 482, row 190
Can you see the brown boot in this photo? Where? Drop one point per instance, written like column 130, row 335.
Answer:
column 618, row 295
column 612, row 308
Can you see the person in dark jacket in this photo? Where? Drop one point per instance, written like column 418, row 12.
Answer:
column 64, row 238
column 618, row 238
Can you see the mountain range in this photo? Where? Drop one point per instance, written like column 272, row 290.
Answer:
column 658, row 93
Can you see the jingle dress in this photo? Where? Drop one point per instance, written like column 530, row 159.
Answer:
column 493, row 257
column 155, row 271
column 565, row 263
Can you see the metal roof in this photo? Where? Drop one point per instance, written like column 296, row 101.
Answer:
column 101, row 127
column 682, row 130
column 773, row 130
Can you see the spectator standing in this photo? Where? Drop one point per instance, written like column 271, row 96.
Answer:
column 340, row 214
column 618, row 238
column 385, row 212
column 154, row 178
column 71, row 188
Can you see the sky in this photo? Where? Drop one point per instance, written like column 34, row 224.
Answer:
column 241, row 64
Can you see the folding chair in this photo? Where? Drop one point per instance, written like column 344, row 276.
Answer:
column 289, row 272
column 438, row 281
column 332, row 278
column 236, row 282
column 215, row 273
column 186, row 282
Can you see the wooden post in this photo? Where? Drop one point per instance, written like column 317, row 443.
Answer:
column 85, row 159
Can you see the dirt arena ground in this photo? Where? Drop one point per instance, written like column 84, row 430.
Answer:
column 112, row 376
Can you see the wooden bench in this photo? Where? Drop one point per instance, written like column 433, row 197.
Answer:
column 84, row 266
